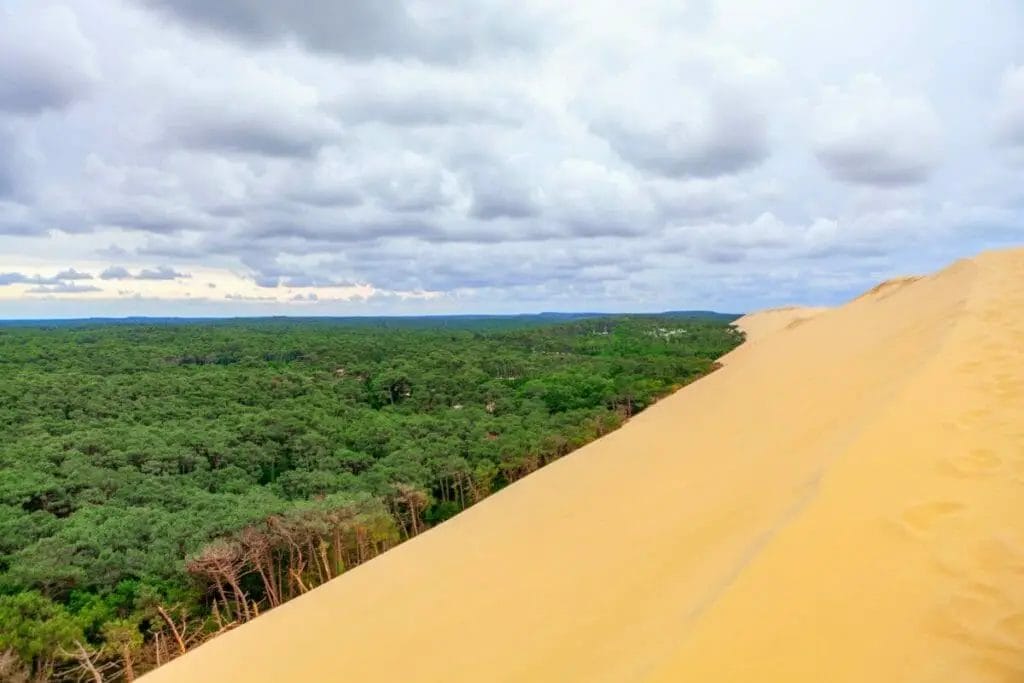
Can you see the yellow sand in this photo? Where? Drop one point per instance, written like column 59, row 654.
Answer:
column 843, row 501
column 762, row 324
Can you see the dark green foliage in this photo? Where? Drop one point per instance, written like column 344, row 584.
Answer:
column 36, row 629
column 125, row 450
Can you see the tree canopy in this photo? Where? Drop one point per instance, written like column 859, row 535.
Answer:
column 164, row 482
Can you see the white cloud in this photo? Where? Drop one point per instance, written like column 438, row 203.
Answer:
column 500, row 154
column 868, row 134
column 258, row 111
column 1009, row 112
column 691, row 112
column 592, row 200
column 363, row 30
column 45, row 61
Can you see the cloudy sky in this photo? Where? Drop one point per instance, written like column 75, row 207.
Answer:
column 240, row 157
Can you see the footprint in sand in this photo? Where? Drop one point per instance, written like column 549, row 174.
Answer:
column 984, row 590
column 973, row 366
column 993, row 314
column 924, row 516
column 1013, row 626
column 997, row 556
column 980, row 615
column 975, row 463
column 965, row 423
column 978, row 413
column 976, row 420
column 1009, row 387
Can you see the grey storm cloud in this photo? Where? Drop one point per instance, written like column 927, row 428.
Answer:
column 350, row 27
column 112, row 251
column 231, row 128
column 419, row 96
column 16, row 167
column 500, row 190
column 715, row 121
column 116, row 273
column 269, row 274
column 267, row 281
column 8, row 174
column 409, row 186
column 731, row 139
column 15, row 279
column 1009, row 115
column 767, row 234
column 63, row 288
column 246, row 297
column 158, row 273
column 493, row 269
column 594, row 200
column 361, row 30
column 63, row 281
column 15, row 226
column 503, row 202
column 332, row 231
column 425, row 109
column 866, row 134
column 144, row 213
column 305, row 281
column 45, row 61
column 451, row 266
column 871, row 163
column 72, row 274
column 327, row 197
column 176, row 249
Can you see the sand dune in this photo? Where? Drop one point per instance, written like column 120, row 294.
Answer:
column 757, row 326
column 843, row 501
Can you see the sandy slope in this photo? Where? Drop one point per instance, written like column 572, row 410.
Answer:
column 844, row 501
column 762, row 324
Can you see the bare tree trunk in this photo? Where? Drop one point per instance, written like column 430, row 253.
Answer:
column 325, row 561
column 223, row 597
column 240, row 595
column 360, row 543
column 316, row 561
column 291, row 561
column 298, row 579
column 129, row 664
column 174, row 629
column 82, row 655
column 45, row 672
column 268, row 586
column 339, row 562
column 216, row 615
column 282, row 585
